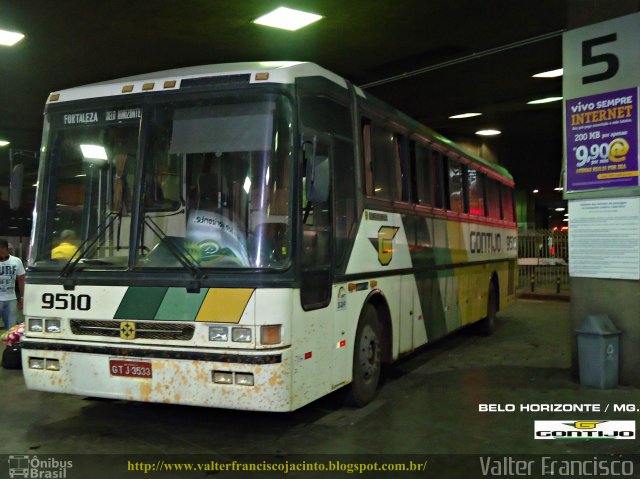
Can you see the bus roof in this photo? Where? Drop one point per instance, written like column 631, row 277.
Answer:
column 284, row 72
column 251, row 72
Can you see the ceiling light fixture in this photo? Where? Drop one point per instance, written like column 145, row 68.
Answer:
column 549, row 74
column 4, row 143
column 287, row 19
column 488, row 132
column 10, row 38
column 544, row 100
column 536, row 191
column 464, row 115
column 560, row 209
column 559, row 188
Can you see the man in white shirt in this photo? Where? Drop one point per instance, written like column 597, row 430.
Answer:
column 11, row 270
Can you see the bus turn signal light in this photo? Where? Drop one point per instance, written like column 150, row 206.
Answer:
column 271, row 334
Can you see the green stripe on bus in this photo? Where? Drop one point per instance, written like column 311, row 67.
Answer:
column 140, row 303
column 424, row 255
column 179, row 305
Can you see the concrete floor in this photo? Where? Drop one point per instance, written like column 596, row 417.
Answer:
column 428, row 405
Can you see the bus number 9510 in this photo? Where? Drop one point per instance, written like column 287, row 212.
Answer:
column 81, row 302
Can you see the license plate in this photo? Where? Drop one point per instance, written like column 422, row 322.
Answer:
column 130, row 369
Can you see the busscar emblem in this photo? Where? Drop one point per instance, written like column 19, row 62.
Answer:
column 127, row 330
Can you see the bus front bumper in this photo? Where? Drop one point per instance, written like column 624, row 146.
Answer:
column 248, row 380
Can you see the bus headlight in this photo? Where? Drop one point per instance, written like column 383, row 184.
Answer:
column 222, row 377
column 35, row 325
column 244, row 379
column 52, row 365
column 218, row 333
column 271, row 334
column 52, row 325
column 241, row 335
column 36, row 363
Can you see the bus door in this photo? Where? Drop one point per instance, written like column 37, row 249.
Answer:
column 317, row 223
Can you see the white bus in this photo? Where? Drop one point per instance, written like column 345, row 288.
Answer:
column 252, row 236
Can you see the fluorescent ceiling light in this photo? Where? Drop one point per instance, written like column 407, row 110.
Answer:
column 4, row 142
column 488, row 132
column 560, row 209
column 93, row 152
column 544, row 100
column 10, row 38
column 464, row 115
column 549, row 74
column 287, row 19
column 559, row 188
column 536, row 191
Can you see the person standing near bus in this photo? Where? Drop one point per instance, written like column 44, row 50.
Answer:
column 11, row 271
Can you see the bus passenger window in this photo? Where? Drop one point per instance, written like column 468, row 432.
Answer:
column 368, row 160
column 493, row 199
column 439, row 183
column 476, row 192
column 456, row 186
column 382, row 157
column 423, row 175
column 507, row 203
column 401, row 170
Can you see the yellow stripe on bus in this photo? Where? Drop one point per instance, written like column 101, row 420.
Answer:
column 224, row 305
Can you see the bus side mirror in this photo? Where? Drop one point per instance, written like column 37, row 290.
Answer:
column 317, row 174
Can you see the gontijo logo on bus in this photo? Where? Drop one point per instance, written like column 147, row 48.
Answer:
column 484, row 242
column 582, row 429
column 384, row 243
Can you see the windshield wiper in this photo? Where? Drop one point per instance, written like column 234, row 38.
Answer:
column 179, row 252
column 87, row 245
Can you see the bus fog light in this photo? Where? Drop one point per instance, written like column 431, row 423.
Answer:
column 241, row 335
column 244, row 379
column 52, row 365
column 36, row 363
column 35, row 325
column 271, row 334
column 222, row 377
column 52, row 325
column 218, row 333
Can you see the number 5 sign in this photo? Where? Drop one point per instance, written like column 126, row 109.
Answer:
column 600, row 84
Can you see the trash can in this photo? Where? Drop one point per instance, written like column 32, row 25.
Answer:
column 598, row 352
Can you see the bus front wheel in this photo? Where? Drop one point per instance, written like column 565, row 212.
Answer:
column 367, row 358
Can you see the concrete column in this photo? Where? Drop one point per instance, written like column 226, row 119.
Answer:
column 620, row 299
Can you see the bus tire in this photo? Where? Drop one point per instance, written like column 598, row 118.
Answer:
column 367, row 358
column 487, row 325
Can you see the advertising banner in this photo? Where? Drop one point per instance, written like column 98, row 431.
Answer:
column 602, row 140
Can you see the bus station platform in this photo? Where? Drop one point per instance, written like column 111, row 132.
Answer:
column 430, row 403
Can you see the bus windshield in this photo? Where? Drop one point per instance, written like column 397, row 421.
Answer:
column 202, row 183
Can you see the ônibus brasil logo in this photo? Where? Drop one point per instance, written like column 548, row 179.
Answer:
column 581, row 429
